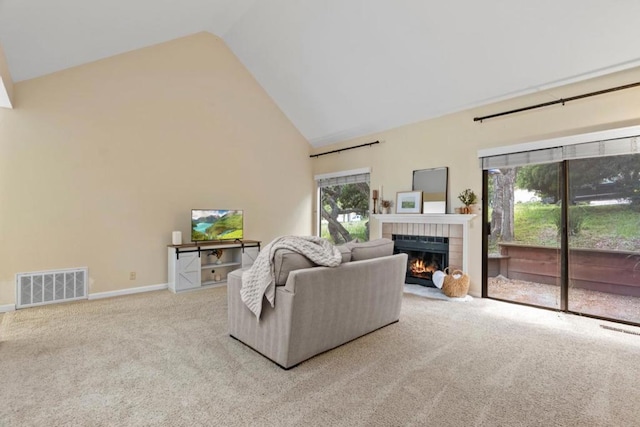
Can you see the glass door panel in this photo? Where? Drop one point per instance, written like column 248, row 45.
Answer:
column 604, row 237
column 524, row 255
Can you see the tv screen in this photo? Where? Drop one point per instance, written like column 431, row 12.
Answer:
column 216, row 224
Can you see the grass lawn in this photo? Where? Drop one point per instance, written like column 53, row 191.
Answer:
column 356, row 229
column 614, row 227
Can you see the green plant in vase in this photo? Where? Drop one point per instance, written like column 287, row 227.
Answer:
column 468, row 198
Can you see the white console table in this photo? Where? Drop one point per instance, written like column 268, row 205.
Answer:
column 196, row 265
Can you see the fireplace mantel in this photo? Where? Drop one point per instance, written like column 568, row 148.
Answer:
column 425, row 218
column 465, row 220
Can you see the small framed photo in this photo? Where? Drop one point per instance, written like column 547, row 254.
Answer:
column 409, row 202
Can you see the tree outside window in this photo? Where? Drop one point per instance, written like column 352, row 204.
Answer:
column 344, row 212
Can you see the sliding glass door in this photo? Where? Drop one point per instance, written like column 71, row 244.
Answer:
column 524, row 240
column 604, row 237
column 563, row 229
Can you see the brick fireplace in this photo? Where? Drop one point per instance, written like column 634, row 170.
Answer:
column 452, row 228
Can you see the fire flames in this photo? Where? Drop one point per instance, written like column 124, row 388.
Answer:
column 418, row 266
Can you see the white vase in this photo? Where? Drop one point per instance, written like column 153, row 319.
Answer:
column 176, row 238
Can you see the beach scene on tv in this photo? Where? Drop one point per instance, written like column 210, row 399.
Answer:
column 216, row 224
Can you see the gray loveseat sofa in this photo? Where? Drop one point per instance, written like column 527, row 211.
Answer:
column 319, row 308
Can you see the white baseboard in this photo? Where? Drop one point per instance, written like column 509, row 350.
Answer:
column 128, row 291
column 7, row 308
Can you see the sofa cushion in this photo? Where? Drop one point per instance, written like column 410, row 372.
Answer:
column 371, row 249
column 345, row 251
column 285, row 261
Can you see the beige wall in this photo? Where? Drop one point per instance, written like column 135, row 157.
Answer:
column 6, row 83
column 453, row 141
column 99, row 163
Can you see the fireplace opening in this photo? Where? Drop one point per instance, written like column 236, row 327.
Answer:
column 426, row 255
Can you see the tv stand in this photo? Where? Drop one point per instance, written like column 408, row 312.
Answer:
column 197, row 265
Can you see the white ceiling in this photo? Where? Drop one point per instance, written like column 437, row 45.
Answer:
column 345, row 68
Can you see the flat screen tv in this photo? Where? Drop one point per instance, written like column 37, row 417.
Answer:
column 216, row 224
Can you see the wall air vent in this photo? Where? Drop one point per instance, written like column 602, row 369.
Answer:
column 48, row 287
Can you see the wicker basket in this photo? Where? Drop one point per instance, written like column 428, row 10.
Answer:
column 456, row 283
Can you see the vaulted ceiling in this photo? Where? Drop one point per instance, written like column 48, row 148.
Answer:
column 344, row 68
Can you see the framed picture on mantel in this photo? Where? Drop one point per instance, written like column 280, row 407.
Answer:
column 409, row 202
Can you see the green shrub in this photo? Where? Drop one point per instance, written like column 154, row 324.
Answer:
column 576, row 219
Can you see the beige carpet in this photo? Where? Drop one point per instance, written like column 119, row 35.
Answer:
column 164, row 359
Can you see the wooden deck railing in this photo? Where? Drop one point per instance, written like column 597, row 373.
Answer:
column 616, row 272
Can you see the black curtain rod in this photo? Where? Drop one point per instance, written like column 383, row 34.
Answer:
column 559, row 101
column 368, row 144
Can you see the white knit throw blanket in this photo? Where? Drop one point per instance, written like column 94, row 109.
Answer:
column 259, row 280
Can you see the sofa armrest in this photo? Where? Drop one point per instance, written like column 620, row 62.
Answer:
column 270, row 335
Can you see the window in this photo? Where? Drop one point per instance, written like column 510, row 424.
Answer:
column 343, row 206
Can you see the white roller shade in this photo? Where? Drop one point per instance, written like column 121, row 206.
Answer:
column 548, row 155
column 342, row 178
column 611, row 147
